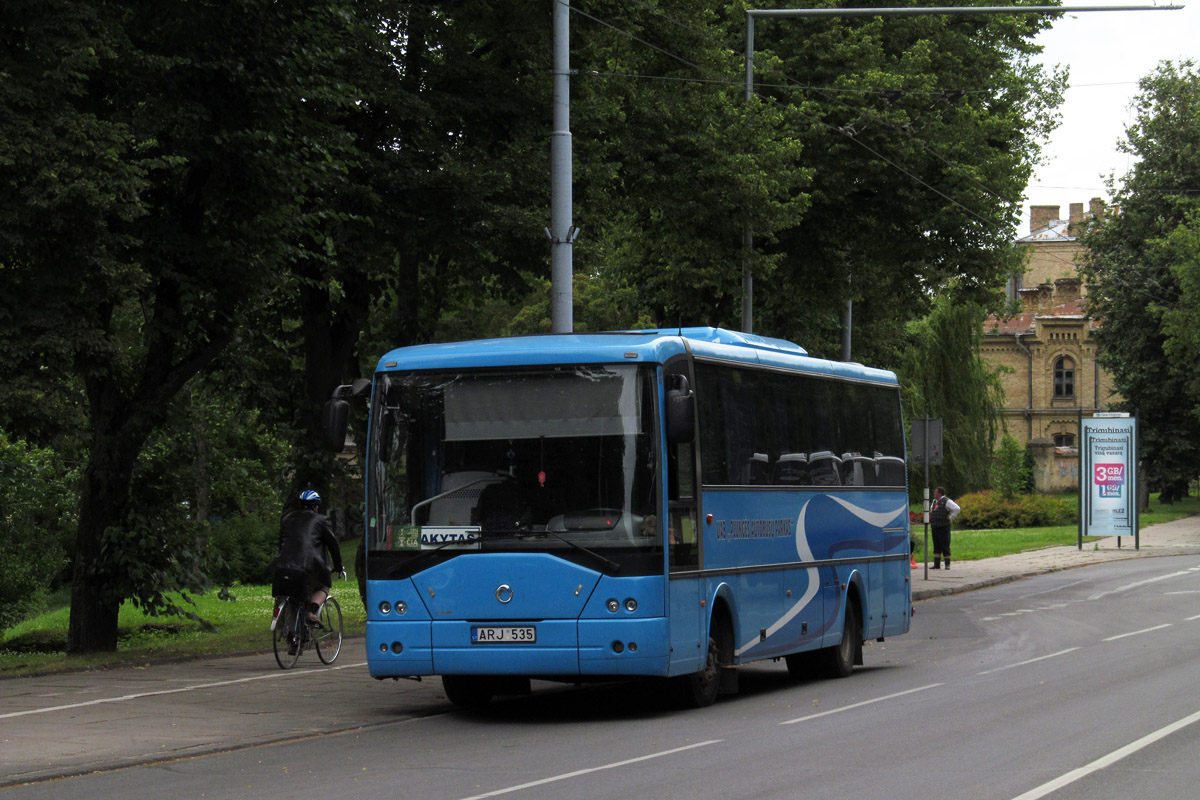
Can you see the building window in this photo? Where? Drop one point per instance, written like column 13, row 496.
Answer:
column 1064, row 440
column 1064, row 378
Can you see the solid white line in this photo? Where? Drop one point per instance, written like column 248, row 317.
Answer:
column 1030, row 661
column 578, row 772
column 192, row 688
column 1189, row 619
column 863, row 703
column 1135, row 633
column 1111, row 758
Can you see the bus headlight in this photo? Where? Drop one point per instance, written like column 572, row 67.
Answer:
column 385, row 607
column 630, row 604
column 401, row 607
column 613, row 605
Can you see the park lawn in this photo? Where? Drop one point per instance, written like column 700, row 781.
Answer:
column 241, row 618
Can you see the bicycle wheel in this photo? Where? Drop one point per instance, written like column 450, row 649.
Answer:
column 329, row 635
column 286, row 641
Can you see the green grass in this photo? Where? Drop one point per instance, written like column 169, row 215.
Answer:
column 242, row 623
column 974, row 545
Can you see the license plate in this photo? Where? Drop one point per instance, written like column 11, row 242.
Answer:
column 503, row 634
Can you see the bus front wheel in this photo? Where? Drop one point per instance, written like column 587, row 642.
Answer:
column 468, row 691
column 700, row 689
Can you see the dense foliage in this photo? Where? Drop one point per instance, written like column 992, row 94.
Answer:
column 37, row 517
column 1143, row 278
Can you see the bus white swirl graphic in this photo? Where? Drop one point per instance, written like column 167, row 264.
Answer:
column 876, row 519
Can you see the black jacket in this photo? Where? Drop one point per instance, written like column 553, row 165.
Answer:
column 304, row 538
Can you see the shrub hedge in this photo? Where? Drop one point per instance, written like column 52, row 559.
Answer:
column 990, row 510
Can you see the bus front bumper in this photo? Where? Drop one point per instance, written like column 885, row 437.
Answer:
column 562, row 648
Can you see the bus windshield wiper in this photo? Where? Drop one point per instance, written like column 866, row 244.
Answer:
column 612, row 566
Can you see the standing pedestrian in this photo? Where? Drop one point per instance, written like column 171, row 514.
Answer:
column 940, row 513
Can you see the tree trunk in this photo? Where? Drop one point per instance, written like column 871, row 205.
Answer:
column 105, row 492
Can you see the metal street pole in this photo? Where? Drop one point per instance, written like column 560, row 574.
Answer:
column 561, row 232
column 751, row 14
column 925, row 515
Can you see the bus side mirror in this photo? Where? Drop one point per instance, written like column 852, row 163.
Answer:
column 337, row 418
column 337, row 412
column 681, row 412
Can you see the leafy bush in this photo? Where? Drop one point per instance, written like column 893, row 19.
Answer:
column 241, row 546
column 991, row 510
column 37, row 520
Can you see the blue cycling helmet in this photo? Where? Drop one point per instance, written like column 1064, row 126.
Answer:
column 309, row 497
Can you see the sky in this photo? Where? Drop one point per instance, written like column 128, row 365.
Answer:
column 1107, row 52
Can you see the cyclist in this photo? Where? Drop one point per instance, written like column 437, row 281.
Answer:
column 305, row 536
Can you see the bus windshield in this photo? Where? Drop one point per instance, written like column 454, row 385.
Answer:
column 558, row 459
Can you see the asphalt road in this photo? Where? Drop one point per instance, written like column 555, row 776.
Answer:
column 1068, row 685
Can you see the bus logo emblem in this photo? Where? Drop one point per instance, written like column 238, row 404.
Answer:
column 504, row 593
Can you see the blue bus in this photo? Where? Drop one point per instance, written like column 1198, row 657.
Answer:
column 600, row 506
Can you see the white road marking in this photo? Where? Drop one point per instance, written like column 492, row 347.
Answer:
column 1030, row 661
column 589, row 770
column 1108, row 760
column 177, row 690
column 1050, row 591
column 1136, row 584
column 863, row 703
column 1135, row 633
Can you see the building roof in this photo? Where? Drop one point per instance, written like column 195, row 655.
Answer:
column 1026, row 321
column 1056, row 231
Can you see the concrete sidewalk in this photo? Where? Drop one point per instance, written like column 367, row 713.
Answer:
column 73, row 723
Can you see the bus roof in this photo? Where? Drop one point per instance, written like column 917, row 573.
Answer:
column 650, row 346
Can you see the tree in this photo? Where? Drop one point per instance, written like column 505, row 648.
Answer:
column 942, row 375
column 165, row 161
column 1011, row 475
column 1143, row 275
column 918, row 135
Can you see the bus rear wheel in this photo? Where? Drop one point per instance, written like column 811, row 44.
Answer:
column 839, row 661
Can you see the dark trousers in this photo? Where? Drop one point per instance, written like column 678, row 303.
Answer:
column 941, row 540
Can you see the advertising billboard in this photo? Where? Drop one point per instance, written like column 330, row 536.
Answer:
column 1109, row 484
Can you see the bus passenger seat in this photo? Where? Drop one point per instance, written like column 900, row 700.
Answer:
column 857, row 470
column 889, row 470
column 757, row 469
column 824, row 469
column 791, row 469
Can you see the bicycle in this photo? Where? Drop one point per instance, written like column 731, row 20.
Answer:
column 292, row 633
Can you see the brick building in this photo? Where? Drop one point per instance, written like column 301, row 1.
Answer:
column 1052, row 376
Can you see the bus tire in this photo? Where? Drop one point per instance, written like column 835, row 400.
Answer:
column 700, row 689
column 468, row 691
column 839, row 661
